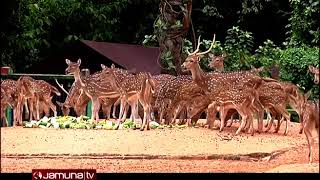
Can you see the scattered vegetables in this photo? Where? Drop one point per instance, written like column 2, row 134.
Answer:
column 84, row 122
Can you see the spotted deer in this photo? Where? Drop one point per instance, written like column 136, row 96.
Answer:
column 35, row 91
column 273, row 98
column 6, row 101
column 310, row 115
column 93, row 85
column 217, row 62
column 9, row 87
column 132, row 89
column 186, row 90
column 238, row 88
column 314, row 71
column 160, row 81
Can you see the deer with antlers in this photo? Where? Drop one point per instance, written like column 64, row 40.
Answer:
column 230, row 90
column 133, row 89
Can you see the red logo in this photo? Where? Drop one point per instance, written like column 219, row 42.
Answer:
column 61, row 174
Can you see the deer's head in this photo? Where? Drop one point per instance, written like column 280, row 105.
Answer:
column 256, row 71
column 217, row 62
column 193, row 58
column 64, row 108
column 72, row 66
column 314, row 71
column 107, row 73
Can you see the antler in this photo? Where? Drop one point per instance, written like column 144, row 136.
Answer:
column 213, row 41
column 61, row 86
column 198, row 46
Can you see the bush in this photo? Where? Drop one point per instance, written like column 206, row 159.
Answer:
column 294, row 64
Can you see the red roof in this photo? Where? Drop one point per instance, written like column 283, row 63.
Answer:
column 135, row 58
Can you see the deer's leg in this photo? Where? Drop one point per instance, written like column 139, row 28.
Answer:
column 31, row 105
column 308, row 132
column 268, row 118
column 52, row 107
column 122, row 109
column 223, row 114
column 231, row 120
column 106, row 108
column 134, row 110
column 212, row 112
column 285, row 115
column 95, row 109
column 38, row 108
column 301, row 124
column 175, row 114
column 273, row 111
column 145, row 114
column 244, row 118
column 115, row 107
column 260, row 120
column 26, row 108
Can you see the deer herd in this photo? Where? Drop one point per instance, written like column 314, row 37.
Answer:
column 238, row 93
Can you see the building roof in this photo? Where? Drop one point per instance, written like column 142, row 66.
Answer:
column 135, row 58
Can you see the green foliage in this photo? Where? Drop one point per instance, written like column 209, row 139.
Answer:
column 294, row 64
column 238, row 46
column 44, row 27
column 303, row 27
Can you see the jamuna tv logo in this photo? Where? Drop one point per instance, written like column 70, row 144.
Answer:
column 57, row 174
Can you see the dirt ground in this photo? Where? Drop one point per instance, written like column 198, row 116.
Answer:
column 160, row 150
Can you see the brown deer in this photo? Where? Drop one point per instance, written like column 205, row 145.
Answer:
column 92, row 85
column 9, row 87
column 6, row 101
column 314, row 71
column 186, row 91
column 273, row 98
column 231, row 82
column 35, row 91
column 177, row 94
column 133, row 89
column 310, row 115
column 161, row 81
column 79, row 101
column 217, row 62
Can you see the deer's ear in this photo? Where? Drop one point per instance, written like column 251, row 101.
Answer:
column 211, row 55
column 68, row 61
column 113, row 66
column 103, row 66
column 79, row 61
column 312, row 69
column 252, row 67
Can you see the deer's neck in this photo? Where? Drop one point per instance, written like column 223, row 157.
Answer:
column 197, row 74
column 78, row 79
column 220, row 69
